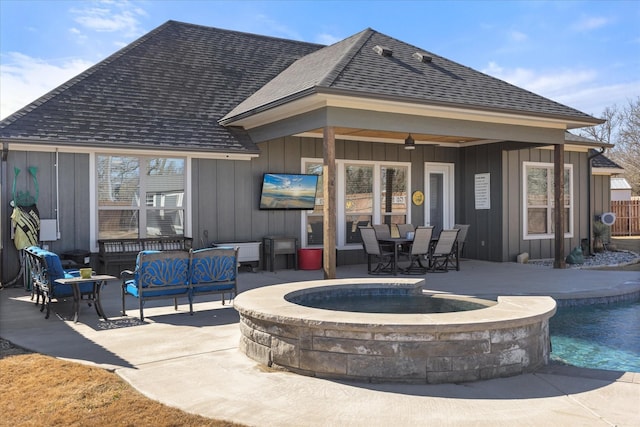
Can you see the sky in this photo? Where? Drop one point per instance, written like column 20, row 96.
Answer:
column 584, row 54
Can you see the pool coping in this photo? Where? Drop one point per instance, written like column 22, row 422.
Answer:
column 269, row 302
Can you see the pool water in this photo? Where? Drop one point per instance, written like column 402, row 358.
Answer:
column 394, row 304
column 602, row 336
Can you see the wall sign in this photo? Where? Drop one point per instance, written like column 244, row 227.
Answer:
column 417, row 197
column 482, row 190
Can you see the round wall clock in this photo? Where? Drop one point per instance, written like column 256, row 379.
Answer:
column 417, row 198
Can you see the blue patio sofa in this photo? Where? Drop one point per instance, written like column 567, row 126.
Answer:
column 45, row 268
column 176, row 274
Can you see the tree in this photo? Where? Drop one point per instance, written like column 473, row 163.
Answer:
column 622, row 128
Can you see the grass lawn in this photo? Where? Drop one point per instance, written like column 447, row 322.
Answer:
column 40, row 390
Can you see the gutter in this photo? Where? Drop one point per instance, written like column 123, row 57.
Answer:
column 589, row 177
column 3, row 207
column 232, row 117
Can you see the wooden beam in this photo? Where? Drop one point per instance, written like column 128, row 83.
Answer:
column 329, row 207
column 558, row 211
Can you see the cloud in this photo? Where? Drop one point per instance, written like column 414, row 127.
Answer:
column 25, row 79
column 577, row 88
column 110, row 16
column 590, row 23
column 273, row 27
column 327, row 39
column 593, row 100
column 551, row 82
column 517, row 36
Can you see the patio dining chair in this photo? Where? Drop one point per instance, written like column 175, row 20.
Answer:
column 418, row 251
column 462, row 237
column 374, row 251
column 443, row 251
column 383, row 231
column 403, row 229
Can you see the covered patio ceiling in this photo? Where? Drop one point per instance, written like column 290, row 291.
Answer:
column 376, row 135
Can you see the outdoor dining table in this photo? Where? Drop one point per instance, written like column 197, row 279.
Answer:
column 98, row 280
column 396, row 241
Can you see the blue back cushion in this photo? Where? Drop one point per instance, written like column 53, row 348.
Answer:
column 54, row 266
column 161, row 272
column 208, row 266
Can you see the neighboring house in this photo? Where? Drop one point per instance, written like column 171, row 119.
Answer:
column 603, row 170
column 620, row 189
column 173, row 133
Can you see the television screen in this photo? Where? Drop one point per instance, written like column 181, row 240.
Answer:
column 288, row 191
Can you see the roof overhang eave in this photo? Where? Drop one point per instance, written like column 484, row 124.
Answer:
column 606, row 171
column 317, row 97
column 592, row 145
column 21, row 144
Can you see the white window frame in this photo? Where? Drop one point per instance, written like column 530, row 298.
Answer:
column 340, row 196
column 550, row 190
column 93, row 184
column 447, row 170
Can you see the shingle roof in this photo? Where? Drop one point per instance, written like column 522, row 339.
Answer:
column 601, row 161
column 353, row 67
column 168, row 89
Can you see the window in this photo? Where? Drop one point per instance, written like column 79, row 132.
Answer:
column 132, row 204
column 358, row 197
column 393, row 194
column 539, row 203
column 367, row 193
column 315, row 219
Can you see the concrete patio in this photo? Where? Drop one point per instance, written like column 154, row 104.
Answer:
column 193, row 362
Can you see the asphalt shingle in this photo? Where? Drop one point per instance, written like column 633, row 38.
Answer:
column 167, row 90
column 354, row 67
column 170, row 88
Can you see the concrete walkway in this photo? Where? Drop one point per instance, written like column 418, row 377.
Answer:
column 193, row 362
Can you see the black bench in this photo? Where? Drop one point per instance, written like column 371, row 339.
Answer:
column 116, row 255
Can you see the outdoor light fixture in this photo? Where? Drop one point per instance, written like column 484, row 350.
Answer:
column 409, row 143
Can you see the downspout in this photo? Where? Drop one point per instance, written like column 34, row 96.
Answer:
column 57, row 194
column 590, row 213
column 3, row 198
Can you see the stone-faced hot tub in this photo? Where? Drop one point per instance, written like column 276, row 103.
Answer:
column 488, row 340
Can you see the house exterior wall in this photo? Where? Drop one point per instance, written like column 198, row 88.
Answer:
column 63, row 194
column 285, row 154
column 230, row 211
column 513, row 241
column 484, row 239
column 226, row 193
column 601, row 194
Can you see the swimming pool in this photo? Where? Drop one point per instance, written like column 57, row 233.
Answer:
column 601, row 336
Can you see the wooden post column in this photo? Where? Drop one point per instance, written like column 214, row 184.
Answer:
column 558, row 211
column 329, row 206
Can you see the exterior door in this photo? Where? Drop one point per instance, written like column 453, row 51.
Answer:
column 439, row 196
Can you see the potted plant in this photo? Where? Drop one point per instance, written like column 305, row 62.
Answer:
column 600, row 231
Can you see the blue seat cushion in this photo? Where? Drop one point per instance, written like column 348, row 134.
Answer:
column 61, row 290
column 132, row 289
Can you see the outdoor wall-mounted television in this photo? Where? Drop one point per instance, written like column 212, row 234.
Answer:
column 288, row 191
